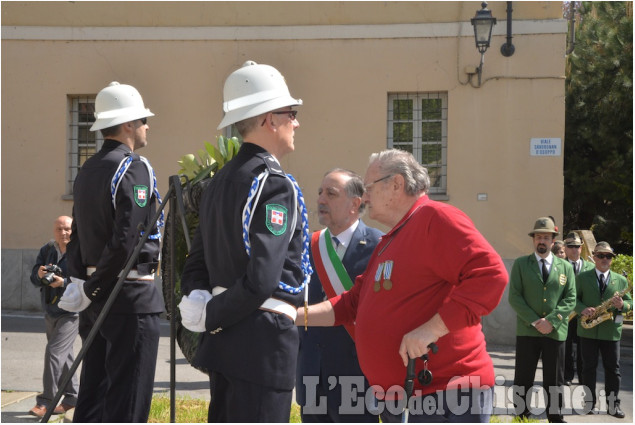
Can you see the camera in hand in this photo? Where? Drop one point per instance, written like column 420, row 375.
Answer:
column 51, row 271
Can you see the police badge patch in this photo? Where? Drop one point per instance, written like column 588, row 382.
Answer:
column 276, row 219
column 141, row 195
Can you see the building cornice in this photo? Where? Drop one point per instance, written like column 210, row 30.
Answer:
column 310, row 32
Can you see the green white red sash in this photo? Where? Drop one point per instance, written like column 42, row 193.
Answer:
column 329, row 268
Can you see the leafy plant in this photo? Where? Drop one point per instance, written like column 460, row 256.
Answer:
column 197, row 172
column 623, row 263
column 598, row 153
column 210, row 159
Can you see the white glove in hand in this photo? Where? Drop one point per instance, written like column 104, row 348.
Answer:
column 193, row 310
column 74, row 298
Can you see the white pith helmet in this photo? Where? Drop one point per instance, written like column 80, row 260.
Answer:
column 252, row 90
column 117, row 104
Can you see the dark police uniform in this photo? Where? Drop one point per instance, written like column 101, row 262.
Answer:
column 249, row 352
column 118, row 371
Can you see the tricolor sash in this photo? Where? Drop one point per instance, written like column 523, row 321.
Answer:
column 329, row 268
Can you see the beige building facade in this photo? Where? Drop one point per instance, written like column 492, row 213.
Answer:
column 372, row 75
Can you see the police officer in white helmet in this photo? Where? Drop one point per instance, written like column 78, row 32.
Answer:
column 248, row 267
column 115, row 192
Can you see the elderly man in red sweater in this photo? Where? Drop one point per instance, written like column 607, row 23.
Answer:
column 429, row 280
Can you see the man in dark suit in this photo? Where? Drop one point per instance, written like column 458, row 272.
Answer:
column 330, row 386
column 594, row 288
column 542, row 292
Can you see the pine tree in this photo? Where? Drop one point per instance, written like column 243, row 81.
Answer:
column 599, row 125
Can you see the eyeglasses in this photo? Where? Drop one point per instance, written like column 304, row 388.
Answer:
column 369, row 185
column 292, row 115
column 143, row 120
column 574, row 246
column 603, row 256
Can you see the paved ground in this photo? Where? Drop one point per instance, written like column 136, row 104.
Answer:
column 23, row 342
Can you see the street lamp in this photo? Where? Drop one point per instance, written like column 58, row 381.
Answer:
column 483, row 23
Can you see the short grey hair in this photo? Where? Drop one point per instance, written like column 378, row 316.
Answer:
column 247, row 125
column 354, row 187
column 397, row 161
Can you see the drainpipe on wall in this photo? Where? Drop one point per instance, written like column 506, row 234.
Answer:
column 571, row 28
column 507, row 49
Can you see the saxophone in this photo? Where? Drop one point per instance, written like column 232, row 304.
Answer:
column 601, row 312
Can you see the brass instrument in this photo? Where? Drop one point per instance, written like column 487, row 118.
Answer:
column 601, row 312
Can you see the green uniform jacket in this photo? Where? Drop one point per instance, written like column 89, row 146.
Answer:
column 588, row 295
column 533, row 300
column 586, row 265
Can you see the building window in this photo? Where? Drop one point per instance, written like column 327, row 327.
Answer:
column 418, row 123
column 83, row 143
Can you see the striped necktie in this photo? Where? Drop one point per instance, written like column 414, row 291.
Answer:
column 602, row 284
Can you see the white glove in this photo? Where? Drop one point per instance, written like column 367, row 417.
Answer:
column 193, row 310
column 74, row 298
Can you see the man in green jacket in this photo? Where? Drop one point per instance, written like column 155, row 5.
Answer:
column 573, row 359
column 542, row 292
column 601, row 290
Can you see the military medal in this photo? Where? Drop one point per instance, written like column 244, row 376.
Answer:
column 387, row 274
column 377, row 287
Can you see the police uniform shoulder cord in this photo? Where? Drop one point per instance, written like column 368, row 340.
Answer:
column 252, row 201
column 114, row 186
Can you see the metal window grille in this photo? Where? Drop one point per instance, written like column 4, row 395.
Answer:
column 83, row 143
column 418, row 123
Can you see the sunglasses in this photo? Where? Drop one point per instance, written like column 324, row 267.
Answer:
column 603, row 256
column 291, row 114
column 574, row 246
column 143, row 120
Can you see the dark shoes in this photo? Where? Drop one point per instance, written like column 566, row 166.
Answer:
column 617, row 412
column 613, row 411
column 62, row 408
column 38, row 410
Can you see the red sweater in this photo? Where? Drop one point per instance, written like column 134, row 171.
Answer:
column 441, row 264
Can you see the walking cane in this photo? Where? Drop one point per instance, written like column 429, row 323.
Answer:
column 111, row 299
column 424, row 378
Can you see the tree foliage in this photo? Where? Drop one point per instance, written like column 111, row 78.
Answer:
column 598, row 169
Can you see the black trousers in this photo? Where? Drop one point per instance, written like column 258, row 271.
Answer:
column 529, row 350
column 572, row 358
column 235, row 400
column 610, row 350
column 118, row 370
